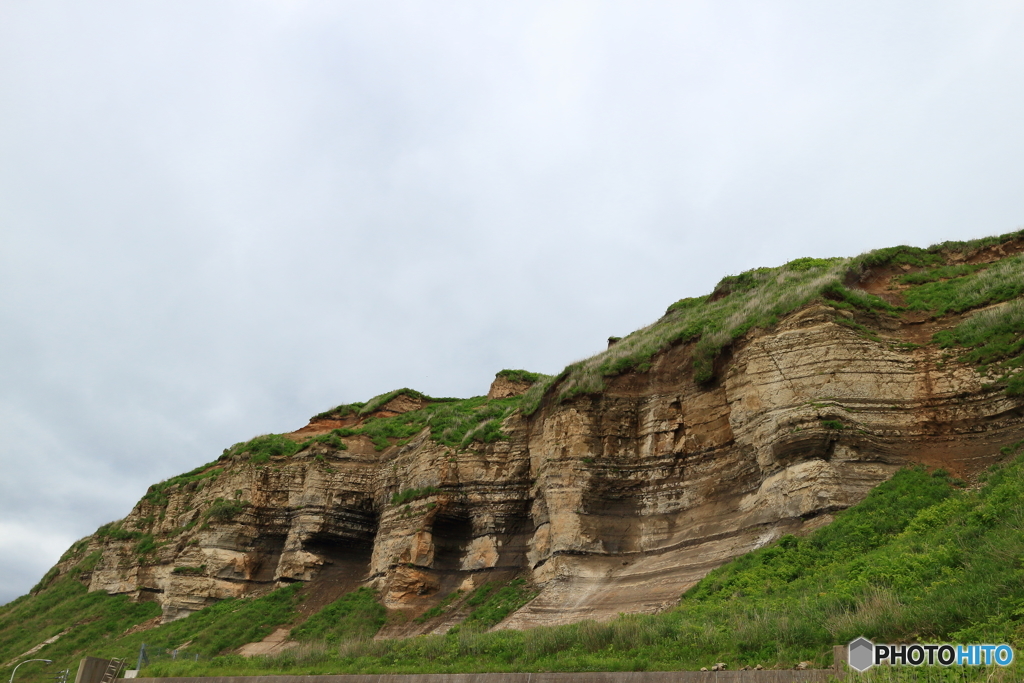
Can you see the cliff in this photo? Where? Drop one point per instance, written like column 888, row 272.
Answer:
column 757, row 411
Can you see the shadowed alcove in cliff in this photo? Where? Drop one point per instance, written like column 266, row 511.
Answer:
column 268, row 549
column 451, row 534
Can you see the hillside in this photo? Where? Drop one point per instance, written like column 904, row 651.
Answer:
column 740, row 422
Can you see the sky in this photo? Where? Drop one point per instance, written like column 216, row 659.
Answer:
column 220, row 218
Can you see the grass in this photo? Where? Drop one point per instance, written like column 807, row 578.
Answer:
column 409, row 495
column 453, row 423
column 355, row 616
column 157, row 494
column 998, row 282
column 339, row 412
column 492, row 602
column 939, row 273
column 262, row 448
column 519, row 376
column 332, row 439
column 440, row 608
column 98, row 623
column 992, row 339
column 190, row 571
column 225, row 510
column 921, row 558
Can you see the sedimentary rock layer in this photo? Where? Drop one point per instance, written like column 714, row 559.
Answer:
column 610, row 502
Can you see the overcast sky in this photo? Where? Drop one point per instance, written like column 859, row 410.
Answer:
column 220, row 218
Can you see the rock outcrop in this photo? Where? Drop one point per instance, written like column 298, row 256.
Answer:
column 608, row 502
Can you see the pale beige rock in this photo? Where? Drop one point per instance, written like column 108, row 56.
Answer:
column 503, row 388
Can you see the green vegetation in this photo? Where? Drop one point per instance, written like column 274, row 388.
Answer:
column 191, row 571
column 410, row 495
column 225, row 510
column 332, row 439
column 919, row 559
column 440, row 608
column 339, row 412
column 93, row 618
column 994, row 339
column 520, row 376
column 157, row 493
column 492, row 602
column 756, row 298
column 939, row 273
column 116, row 531
column 998, row 282
column 96, row 624
column 378, row 402
column 454, row 423
column 262, row 448
column 146, row 545
column 355, row 616
column 907, row 256
column 832, row 424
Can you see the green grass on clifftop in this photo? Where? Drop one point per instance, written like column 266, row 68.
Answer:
column 759, row 298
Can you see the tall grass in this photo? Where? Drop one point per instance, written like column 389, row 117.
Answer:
column 992, row 339
column 1002, row 281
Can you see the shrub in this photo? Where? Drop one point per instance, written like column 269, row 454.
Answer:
column 225, row 510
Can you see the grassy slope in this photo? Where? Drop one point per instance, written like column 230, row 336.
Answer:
column 100, row 623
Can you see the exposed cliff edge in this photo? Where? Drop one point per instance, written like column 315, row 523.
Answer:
column 760, row 410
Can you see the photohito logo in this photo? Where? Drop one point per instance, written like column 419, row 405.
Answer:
column 863, row 654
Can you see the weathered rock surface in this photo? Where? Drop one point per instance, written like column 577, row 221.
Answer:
column 611, row 502
column 502, row 387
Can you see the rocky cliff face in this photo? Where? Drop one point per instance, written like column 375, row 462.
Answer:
column 608, row 502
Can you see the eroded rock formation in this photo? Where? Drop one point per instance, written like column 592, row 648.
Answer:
column 609, row 502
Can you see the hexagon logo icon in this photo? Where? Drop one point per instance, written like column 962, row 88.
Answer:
column 861, row 654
